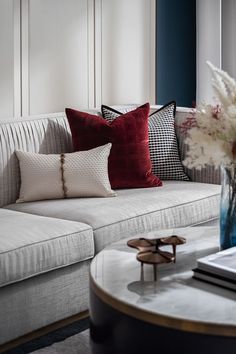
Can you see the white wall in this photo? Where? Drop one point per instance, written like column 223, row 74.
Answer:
column 128, row 45
column 6, row 58
column 208, row 14
column 216, row 31
column 75, row 53
column 228, row 37
column 57, row 55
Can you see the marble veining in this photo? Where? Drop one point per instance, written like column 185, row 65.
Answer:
column 175, row 294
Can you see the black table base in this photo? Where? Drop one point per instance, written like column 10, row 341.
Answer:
column 113, row 332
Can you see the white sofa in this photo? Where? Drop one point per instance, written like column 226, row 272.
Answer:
column 46, row 246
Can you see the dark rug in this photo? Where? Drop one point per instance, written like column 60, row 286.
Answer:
column 58, row 335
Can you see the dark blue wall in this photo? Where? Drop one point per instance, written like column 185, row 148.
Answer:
column 176, row 52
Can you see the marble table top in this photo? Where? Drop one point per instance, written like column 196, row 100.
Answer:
column 176, row 299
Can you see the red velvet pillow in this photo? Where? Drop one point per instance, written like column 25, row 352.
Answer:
column 129, row 163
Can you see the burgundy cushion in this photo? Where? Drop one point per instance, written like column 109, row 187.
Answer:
column 129, row 161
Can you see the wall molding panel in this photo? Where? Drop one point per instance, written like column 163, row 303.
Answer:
column 17, row 58
column 98, row 4
column 25, row 109
column 127, row 51
column 10, row 100
column 215, row 42
column 152, row 55
column 91, row 54
column 209, row 45
column 228, row 37
column 75, row 53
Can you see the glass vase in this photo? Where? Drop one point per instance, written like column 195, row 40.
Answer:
column 228, row 207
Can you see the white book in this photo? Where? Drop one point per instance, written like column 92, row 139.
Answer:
column 214, row 279
column 222, row 263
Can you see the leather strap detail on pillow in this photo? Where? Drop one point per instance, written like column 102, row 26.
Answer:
column 64, row 188
column 66, row 175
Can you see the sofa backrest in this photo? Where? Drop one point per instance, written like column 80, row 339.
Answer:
column 45, row 134
column 50, row 134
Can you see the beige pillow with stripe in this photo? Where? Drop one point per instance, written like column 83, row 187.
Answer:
column 54, row 176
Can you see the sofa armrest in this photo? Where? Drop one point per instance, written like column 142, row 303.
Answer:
column 208, row 174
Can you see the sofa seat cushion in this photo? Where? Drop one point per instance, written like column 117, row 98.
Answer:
column 176, row 204
column 31, row 245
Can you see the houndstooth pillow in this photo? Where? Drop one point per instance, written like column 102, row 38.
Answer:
column 163, row 144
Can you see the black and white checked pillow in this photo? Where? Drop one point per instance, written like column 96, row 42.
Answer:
column 163, row 144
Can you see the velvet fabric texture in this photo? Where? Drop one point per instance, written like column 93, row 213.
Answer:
column 129, row 163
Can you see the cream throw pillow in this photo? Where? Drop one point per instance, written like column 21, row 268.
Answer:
column 77, row 174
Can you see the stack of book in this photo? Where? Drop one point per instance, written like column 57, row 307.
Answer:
column 218, row 268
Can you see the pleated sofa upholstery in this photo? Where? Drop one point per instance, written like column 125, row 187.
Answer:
column 46, row 246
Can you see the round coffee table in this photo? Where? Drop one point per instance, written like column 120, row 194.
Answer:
column 131, row 314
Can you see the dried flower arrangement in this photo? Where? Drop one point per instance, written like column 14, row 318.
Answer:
column 211, row 130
